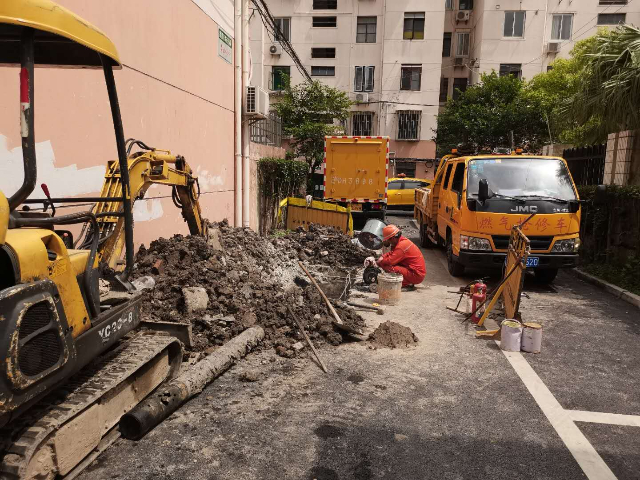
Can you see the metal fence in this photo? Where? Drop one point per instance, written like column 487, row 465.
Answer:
column 267, row 131
column 586, row 164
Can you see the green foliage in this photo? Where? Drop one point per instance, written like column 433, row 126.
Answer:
column 308, row 112
column 626, row 276
column 486, row 113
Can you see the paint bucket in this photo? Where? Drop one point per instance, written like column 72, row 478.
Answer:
column 511, row 335
column 532, row 337
column 389, row 285
column 371, row 235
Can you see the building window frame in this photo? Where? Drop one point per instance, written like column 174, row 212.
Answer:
column 558, row 28
column 325, row 4
column 444, row 89
column 323, row 71
column 460, row 86
column 448, row 4
column 284, row 24
column 465, row 5
column 362, row 124
column 364, row 79
column 605, row 19
column 366, row 29
column 409, row 124
column 511, row 24
column 413, row 26
column 323, row 52
column 513, row 69
column 324, row 22
column 463, row 43
column 447, row 41
column 604, row 3
column 411, row 77
column 277, row 82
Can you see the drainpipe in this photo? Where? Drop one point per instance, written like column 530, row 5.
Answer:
column 381, row 105
column 237, row 65
column 246, row 132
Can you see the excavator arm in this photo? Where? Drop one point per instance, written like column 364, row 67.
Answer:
column 146, row 168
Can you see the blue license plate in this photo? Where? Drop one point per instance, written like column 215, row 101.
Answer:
column 533, row 262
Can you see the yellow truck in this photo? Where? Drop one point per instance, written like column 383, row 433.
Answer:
column 355, row 174
column 475, row 200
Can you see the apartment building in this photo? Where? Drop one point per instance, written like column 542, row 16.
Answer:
column 385, row 54
column 519, row 37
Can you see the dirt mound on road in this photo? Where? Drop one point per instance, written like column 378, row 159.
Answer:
column 393, row 335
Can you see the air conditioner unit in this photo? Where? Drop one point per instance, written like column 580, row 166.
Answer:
column 463, row 16
column 458, row 61
column 361, row 97
column 257, row 103
column 553, row 47
column 275, row 49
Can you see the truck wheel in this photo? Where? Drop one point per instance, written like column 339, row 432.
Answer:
column 455, row 269
column 425, row 242
column 545, row 277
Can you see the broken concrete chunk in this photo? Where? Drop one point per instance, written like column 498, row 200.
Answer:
column 144, row 283
column 297, row 346
column 215, row 239
column 195, row 299
column 234, row 276
column 249, row 319
column 249, row 376
column 324, row 253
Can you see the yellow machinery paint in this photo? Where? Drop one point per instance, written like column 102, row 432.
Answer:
column 4, row 217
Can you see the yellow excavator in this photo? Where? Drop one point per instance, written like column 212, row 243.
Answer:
column 73, row 362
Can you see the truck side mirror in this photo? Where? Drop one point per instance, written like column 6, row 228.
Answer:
column 574, row 206
column 483, row 190
column 600, row 195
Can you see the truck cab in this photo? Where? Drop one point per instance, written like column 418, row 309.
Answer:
column 475, row 200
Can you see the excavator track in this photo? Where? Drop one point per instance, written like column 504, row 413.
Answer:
column 75, row 421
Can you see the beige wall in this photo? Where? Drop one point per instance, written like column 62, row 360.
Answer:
column 175, row 93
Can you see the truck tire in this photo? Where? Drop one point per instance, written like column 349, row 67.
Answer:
column 455, row 268
column 544, row 277
column 425, row 242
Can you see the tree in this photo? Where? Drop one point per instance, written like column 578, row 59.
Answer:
column 308, row 112
column 484, row 116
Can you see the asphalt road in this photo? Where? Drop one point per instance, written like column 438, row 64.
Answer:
column 453, row 407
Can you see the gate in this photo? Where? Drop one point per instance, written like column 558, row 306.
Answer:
column 586, row 164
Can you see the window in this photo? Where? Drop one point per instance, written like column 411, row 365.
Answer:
column 323, row 53
column 466, row 4
column 513, row 69
column 410, row 77
column 366, row 30
column 611, row 18
column 444, row 89
column 323, row 71
column 458, row 181
column 446, row 44
column 447, row 175
column 409, row 124
column 413, row 26
column 448, row 4
column 514, row 24
column 284, row 24
column 325, row 4
column 413, row 184
column 364, row 79
column 325, row 22
column 267, row 131
column 462, row 45
column 362, row 124
column 459, row 87
column 395, row 185
column 279, row 76
column 613, row 2
column 561, row 27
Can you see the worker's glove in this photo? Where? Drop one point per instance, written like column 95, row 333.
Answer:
column 369, row 262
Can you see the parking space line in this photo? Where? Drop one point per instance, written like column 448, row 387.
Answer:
column 608, row 418
column 587, row 457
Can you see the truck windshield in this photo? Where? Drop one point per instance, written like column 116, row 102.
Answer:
column 521, row 177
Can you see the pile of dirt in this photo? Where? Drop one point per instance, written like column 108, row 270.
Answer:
column 223, row 287
column 393, row 335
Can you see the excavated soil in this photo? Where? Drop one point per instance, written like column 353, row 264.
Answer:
column 393, row 335
column 251, row 280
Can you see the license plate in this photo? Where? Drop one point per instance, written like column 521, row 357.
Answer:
column 356, row 207
column 533, row 262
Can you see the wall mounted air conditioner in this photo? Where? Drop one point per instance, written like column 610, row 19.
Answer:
column 275, row 49
column 257, row 103
column 553, row 47
column 459, row 61
column 361, row 97
column 463, row 16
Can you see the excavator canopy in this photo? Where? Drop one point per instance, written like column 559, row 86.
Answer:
column 62, row 38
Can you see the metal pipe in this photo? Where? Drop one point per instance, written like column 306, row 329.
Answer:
column 237, row 52
column 124, row 166
column 72, row 200
column 246, row 127
column 26, row 120
column 149, row 413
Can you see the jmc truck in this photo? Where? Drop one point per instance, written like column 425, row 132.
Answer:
column 475, row 200
column 355, row 171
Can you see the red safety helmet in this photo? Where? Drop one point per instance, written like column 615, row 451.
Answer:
column 389, row 231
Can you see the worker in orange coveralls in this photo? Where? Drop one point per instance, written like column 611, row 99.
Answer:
column 404, row 258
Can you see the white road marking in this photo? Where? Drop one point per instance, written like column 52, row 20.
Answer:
column 562, row 421
column 608, row 418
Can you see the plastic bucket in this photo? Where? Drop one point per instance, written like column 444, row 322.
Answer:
column 532, row 337
column 389, row 285
column 511, row 335
column 371, row 235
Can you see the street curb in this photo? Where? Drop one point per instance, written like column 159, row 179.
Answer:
column 619, row 292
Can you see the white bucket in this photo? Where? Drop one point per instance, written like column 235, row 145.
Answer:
column 389, row 287
column 511, row 335
column 532, row 337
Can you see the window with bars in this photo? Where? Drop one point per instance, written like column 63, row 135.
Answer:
column 513, row 69
column 279, row 77
column 364, row 79
column 325, row 22
column 514, row 24
column 413, row 26
column 444, row 89
column 267, row 131
column 362, row 124
column 410, row 77
column 611, row 18
column 366, row 29
column 325, row 4
column 323, row 71
column 459, row 87
column 409, row 124
column 462, row 44
column 561, row 26
column 284, row 24
column 323, row 53
column 446, row 44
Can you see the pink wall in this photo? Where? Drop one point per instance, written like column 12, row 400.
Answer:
column 420, row 149
column 187, row 108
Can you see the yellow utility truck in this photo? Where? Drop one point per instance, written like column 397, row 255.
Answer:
column 356, row 174
column 475, row 200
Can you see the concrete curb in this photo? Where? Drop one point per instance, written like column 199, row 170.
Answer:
column 619, row 292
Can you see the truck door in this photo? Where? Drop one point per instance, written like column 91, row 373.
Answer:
column 443, row 200
column 456, row 201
